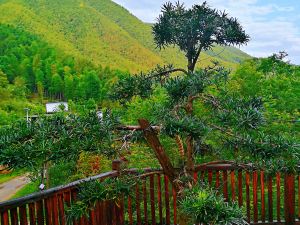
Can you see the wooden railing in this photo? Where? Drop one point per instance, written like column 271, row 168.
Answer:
column 267, row 199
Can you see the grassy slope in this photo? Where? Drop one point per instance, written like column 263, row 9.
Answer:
column 101, row 31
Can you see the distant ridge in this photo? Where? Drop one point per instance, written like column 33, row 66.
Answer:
column 101, row 31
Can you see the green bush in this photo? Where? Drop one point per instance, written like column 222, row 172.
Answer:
column 202, row 205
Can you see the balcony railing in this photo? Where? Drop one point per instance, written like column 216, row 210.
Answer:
column 267, row 199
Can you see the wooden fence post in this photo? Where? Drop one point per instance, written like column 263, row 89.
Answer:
column 116, row 209
column 116, row 164
column 289, row 199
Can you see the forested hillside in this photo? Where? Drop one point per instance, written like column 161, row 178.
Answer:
column 73, row 50
column 100, row 31
column 32, row 71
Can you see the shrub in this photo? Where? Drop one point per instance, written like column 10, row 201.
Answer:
column 203, row 205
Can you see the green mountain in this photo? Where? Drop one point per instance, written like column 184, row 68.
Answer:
column 100, row 31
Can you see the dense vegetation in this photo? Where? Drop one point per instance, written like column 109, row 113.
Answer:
column 277, row 82
column 47, row 55
column 188, row 116
column 33, row 71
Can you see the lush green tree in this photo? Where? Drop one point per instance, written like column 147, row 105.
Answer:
column 56, row 139
column 91, row 85
column 277, row 82
column 20, row 87
column 69, row 87
column 200, row 112
column 57, row 85
column 196, row 29
column 3, row 80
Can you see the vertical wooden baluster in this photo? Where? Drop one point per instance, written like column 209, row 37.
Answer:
column 130, row 211
column 145, row 202
column 48, row 210
column 102, row 211
column 93, row 220
column 98, row 210
column 14, row 216
column 225, row 186
column 232, row 183
column 61, row 209
column 40, row 212
column 23, row 215
column 174, row 205
column 248, row 196
column 32, row 217
column 122, row 211
column 152, row 199
column 106, row 213
column 240, row 187
column 202, row 175
column 210, row 176
column 217, row 179
column 255, row 207
column 73, row 199
column 81, row 221
column 4, row 218
column 101, row 215
column 195, row 176
column 112, row 217
column 289, row 198
column 119, row 211
column 262, row 196
column 109, row 213
column 278, row 196
column 86, row 219
column 270, row 198
column 55, row 210
column 167, row 201
column 159, row 199
column 138, row 209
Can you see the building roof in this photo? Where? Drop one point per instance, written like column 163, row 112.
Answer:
column 53, row 107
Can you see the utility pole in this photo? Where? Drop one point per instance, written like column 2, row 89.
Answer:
column 27, row 115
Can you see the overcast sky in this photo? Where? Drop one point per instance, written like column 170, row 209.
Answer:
column 273, row 25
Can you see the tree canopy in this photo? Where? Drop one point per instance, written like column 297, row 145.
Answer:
column 196, row 29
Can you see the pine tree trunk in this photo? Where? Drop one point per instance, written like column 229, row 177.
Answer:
column 190, row 65
column 152, row 139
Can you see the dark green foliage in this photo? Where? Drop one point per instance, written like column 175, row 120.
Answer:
column 92, row 192
column 130, row 86
column 243, row 113
column 219, row 119
column 196, row 29
column 61, row 173
column 3, row 80
column 186, row 125
column 277, row 83
column 204, row 205
column 47, row 71
column 56, row 138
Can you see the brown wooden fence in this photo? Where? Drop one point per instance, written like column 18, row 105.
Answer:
column 267, row 199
